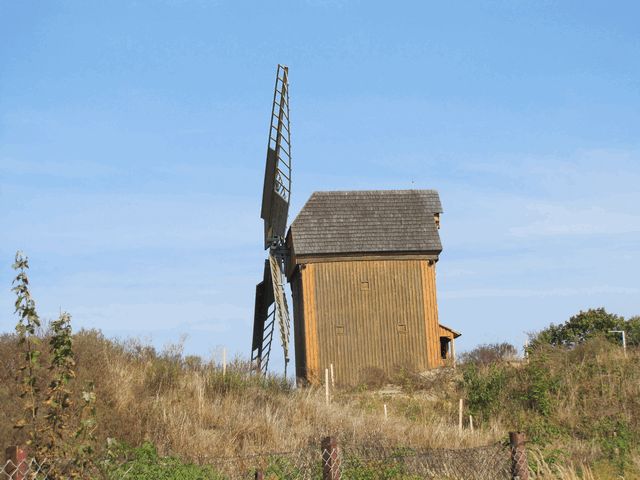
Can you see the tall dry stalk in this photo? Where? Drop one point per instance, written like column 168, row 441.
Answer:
column 26, row 328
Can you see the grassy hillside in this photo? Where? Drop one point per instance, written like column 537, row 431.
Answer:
column 186, row 407
column 579, row 407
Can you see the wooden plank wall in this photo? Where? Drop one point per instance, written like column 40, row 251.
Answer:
column 370, row 313
column 298, row 326
column 432, row 325
column 309, row 309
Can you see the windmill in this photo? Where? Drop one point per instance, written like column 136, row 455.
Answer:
column 271, row 304
column 362, row 271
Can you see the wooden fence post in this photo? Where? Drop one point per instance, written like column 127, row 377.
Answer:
column 18, row 468
column 326, row 386
column 330, row 459
column 224, row 362
column 259, row 475
column 519, row 465
column 333, row 378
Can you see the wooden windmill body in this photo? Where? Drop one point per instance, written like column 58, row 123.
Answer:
column 362, row 274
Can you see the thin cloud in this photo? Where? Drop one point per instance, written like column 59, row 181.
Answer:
column 156, row 316
column 558, row 220
column 68, row 169
column 541, row 293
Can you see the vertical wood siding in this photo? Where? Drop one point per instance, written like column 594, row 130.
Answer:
column 378, row 314
column 428, row 273
column 299, row 326
column 311, row 356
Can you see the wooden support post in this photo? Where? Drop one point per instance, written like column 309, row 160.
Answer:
column 333, row 378
column 460, row 407
column 326, row 385
column 16, row 459
column 519, row 465
column 385, row 411
column 453, row 351
column 224, row 362
column 330, row 459
column 471, row 422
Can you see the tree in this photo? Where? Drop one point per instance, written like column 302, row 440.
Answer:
column 490, row 353
column 632, row 328
column 585, row 325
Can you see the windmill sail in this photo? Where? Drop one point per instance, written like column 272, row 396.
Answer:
column 276, row 191
column 271, row 303
column 282, row 310
column 263, row 322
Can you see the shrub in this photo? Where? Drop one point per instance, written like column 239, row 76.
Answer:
column 490, row 353
column 484, row 388
column 373, row 377
column 616, row 440
column 539, row 385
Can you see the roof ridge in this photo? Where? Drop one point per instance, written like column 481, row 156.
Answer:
column 383, row 191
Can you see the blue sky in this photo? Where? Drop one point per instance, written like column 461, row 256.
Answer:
column 133, row 137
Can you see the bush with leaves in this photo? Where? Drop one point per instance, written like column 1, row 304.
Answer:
column 45, row 415
column 58, row 395
column 585, row 325
column 484, row 386
column 539, row 384
column 487, row 354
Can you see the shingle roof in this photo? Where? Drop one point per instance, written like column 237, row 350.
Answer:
column 367, row 222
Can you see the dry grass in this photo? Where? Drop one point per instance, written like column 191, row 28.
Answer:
column 560, row 472
column 186, row 407
column 580, row 406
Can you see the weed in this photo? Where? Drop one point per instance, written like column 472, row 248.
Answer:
column 26, row 328
column 144, row 463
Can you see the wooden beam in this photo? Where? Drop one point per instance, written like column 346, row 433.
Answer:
column 375, row 256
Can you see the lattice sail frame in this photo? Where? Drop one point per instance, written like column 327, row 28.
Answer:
column 282, row 309
column 276, row 197
column 280, row 133
column 276, row 193
column 263, row 322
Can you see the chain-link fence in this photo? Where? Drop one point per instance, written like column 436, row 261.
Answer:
column 372, row 463
column 332, row 461
column 23, row 470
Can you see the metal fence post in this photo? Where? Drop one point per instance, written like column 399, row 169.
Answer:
column 330, row 459
column 519, row 465
column 17, row 469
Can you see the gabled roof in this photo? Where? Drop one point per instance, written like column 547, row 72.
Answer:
column 375, row 221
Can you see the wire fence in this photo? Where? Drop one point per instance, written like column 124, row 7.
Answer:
column 374, row 462
column 25, row 469
column 330, row 462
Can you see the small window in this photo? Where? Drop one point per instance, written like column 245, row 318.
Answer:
column 364, row 285
column 402, row 328
column 339, row 329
